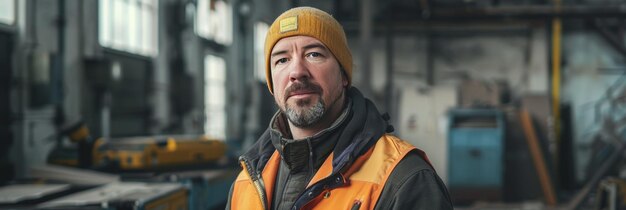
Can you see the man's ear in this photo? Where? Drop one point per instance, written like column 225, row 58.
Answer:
column 344, row 78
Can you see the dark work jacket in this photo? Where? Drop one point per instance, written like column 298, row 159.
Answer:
column 413, row 184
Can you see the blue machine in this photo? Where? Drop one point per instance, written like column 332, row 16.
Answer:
column 475, row 152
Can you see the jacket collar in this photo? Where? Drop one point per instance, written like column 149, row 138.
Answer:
column 310, row 152
column 361, row 128
column 360, row 133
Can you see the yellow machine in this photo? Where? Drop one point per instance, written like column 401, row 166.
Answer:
column 140, row 153
column 78, row 155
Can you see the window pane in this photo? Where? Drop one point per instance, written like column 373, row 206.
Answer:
column 154, row 28
column 260, row 30
column 7, row 11
column 208, row 61
column 209, row 96
column 215, row 126
column 133, row 29
column 211, row 64
column 119, row 25
column 201, row 21
column 224, row 26
column 105, row 22
column 147, row 27
column 129, row 25
column 214, row 23
column 215, row 96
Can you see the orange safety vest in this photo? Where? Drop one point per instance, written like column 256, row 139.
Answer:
column 361, row 186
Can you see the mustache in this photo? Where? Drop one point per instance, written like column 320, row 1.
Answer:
column 303, row 86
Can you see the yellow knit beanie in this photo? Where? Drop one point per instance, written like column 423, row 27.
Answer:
column 308, row 21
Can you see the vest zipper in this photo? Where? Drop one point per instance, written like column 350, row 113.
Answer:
column 258, row 184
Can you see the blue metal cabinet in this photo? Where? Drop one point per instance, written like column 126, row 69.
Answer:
column 475, row 148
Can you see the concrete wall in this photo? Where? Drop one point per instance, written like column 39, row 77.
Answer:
column 423, row 121
column 36, row 32
column 519, row 58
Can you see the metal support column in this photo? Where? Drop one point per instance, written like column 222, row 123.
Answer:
column 556, row 81
column 366, row 42
column 389, row 87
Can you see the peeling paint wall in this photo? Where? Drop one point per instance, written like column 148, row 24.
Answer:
column 520, row 59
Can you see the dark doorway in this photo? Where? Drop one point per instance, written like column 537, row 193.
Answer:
column 6, row 138
column 126, row 97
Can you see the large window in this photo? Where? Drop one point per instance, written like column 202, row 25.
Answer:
column 214, row 21
column 215, row 96
column 260, row 31
column 7, row 11
column 129, row 25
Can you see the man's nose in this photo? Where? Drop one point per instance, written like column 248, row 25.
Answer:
column 299, row 70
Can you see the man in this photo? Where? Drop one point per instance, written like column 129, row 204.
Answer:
column 327, row 147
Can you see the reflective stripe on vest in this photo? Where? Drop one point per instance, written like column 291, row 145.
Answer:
column 365, row 179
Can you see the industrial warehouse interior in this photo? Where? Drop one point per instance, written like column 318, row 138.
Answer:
column 148, row 104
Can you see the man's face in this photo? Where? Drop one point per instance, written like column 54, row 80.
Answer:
column 307, row 79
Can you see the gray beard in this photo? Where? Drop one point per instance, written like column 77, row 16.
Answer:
column 307, row 116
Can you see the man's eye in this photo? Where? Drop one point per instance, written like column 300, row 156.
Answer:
column 315, row 54
column 282, row 60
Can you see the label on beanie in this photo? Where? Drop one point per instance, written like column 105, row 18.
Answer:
column 289, row 24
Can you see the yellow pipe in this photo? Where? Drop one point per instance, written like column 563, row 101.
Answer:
column 556, row 84
column 556, row 77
